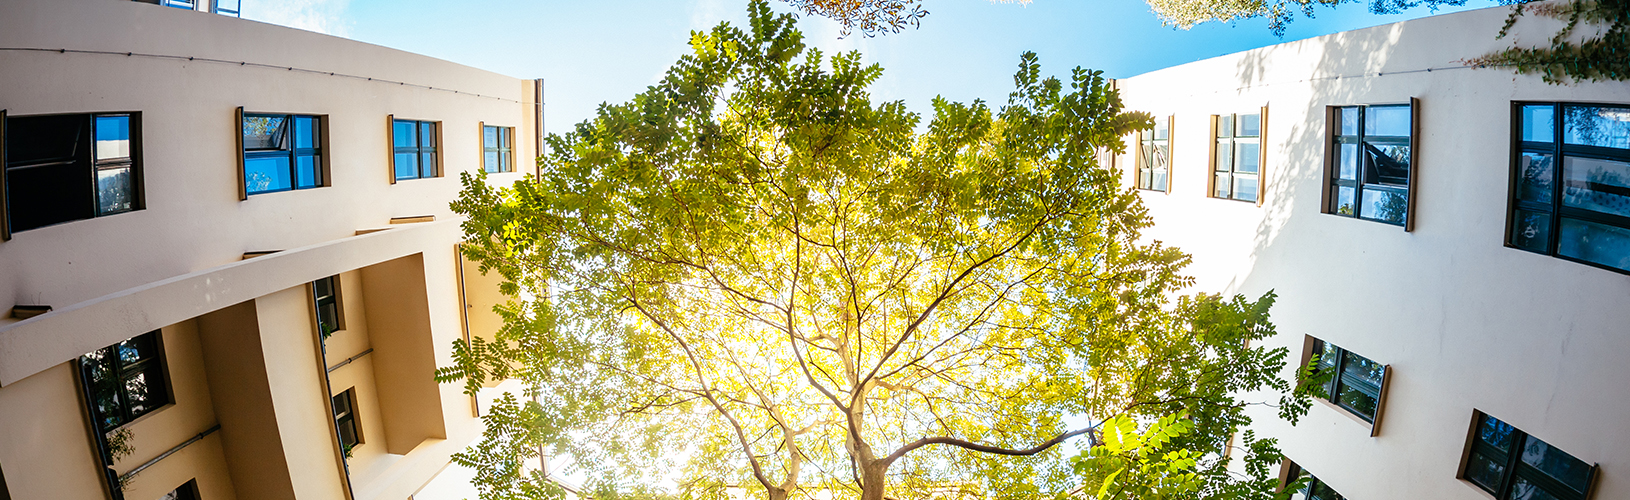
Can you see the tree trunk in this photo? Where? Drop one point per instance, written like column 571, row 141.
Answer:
column 872, row 480
column 777, row 493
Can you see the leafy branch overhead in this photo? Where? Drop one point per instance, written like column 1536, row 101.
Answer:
column 753, row 278
column 1602, row 52
column 871, row 17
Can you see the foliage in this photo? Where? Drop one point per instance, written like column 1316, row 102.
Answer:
column 752, row 278
column 1605, row 55
column 871, row 17
column 1185, row 14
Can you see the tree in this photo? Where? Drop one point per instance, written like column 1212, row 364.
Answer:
column 1604, row 55
column 751, row 277
column 871, row 17
column 1185, row 14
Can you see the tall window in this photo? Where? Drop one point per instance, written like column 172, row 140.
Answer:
column 1355, row 382
column 1314, row 490
column 326, row 293
column 1513, row 465
column 1580, row 211
column 1371, row 163
column 62, row 168
column 345, row 420
column 124, row 381
column 496, row 153
column 414, row 144
column 1237, row 161
column 282, row 153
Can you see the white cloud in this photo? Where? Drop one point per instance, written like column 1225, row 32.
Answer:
column 322, row 16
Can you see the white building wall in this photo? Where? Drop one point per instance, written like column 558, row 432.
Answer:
column 1464, row 322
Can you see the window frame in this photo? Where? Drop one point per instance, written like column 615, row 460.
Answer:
column 122, row 373
column 505, row 148
column 187, row 491
column 1293, row 472
column 334, row 297
column 1555, row 210
column 1332, row 141
column 1311, row 346
column 319, row 153
column 1514, row 466
column 1233, row 140
column 348, row 418
column 419, row 150
column 132, row 161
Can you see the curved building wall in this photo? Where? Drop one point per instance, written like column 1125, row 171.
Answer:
column 1464, row 322
column 249, row 408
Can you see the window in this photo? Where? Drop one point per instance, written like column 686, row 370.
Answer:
column 414, row 144
column 1237, row 159
column 1356, row 382
column 63, row 168
column 345, row 420
column 1314, row 490
column 496, row 153
column 1570, row 194
column 124, row 381
column 228, row 7
column 1371, row 163
column 188, row 491
column 282, row 153
column 179, row 4
column 1511, row 464
column 326, row 295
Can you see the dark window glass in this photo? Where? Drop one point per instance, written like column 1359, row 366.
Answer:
column 282, row 152
column 1571, row 197
column 63, row 168
column 188, row 491
column 124, row 381
column 326, row 295
column 1356, row 384
column 415, row 149
column 1513, row 465
column 1154, row 153
column 345, row 420
column 1237, row 161
column 1372, row 156
column 1315, row 489
column 497, row 155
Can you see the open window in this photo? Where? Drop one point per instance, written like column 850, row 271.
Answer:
column 1356, row 385
column 64, row 168
column 1371, row 168
column 281, row 152
column 1570, row 183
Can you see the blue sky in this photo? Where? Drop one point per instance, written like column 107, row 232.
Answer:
column 598, row 51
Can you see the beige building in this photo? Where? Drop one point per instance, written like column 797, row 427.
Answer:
column 228, row 268
column 1454, row 240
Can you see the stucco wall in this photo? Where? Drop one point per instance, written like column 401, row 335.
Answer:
column 1464, row 322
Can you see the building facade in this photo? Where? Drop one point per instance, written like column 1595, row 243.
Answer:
column 229, row 269
column 1453, row 243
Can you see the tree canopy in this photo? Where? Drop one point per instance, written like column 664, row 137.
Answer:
column 1602, row 53
column 752, row 278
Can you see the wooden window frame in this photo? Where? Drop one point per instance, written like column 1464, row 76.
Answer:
column 1556, row 209
column 1290, row 472
column 335, row 297
column 1310, row 347
column 138, row 193
column 1139, row 158
column 505, row 149
column 350, row 395
column 321, row 152
column 418, row 150
column 1514, row 466
column 1333, row 138
column 1233, row 167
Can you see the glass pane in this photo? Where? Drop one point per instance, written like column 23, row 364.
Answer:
column 407, row 165
column 1320, row 491
column 1349, row 121
column 1160, row 131
column 1225, row 126
column 1357, row 399
column 141, row 394
column 1537, row 123
column 113, row 191
column 1384, row 204
column 1225, row 156
column 1146, row 135
column 1534, row 176
column 1386, row 163
column 266, row 174
column 1557, row 464
column 407, row 135
column 328, row 317
column 348, row 431
column 1596, row 126
column 1387, row 120
column 112, row 137
column 265, row 132
column 307, row 174
column 427, row 165
column 1347, row 160
column 1146, row 178
column 427, row 134
column 108, row 407
column 1246, row 154
column 489, row 137
column 1521, row 489
column 1531, row 231
column 1592, row 242
column 1245, row 187
column 342, row 404
column 1344, row 200
column 489, row 162
column 324, row 287
column 1160, row 179
column 1221, row 186
column 1484, row 472
column 1496, row 433
column 1249, row 126
column 137, row 349
column 1599, row 185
